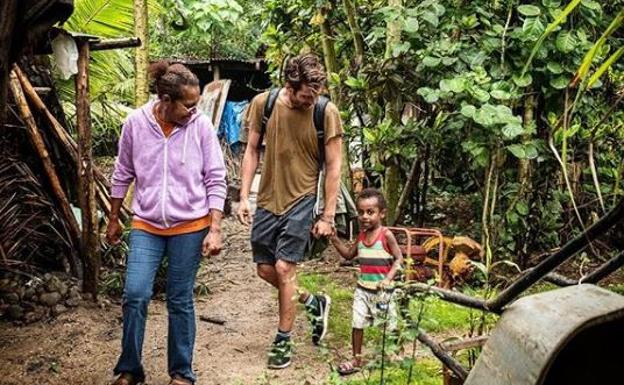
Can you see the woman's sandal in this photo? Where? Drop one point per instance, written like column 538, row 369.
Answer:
column 349, row 367
column 126, row 379
column 177, row 380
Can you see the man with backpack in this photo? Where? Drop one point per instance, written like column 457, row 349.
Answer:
column 303, row 135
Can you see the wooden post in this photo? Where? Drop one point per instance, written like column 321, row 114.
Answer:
column 48, row 166
column 86, row 184
column 8, row 16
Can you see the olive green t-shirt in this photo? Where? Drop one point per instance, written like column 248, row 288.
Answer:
column 291, row 167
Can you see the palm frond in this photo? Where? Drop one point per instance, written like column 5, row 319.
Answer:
column 106, row 18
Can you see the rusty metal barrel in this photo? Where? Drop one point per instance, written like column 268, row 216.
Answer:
column 569, row 336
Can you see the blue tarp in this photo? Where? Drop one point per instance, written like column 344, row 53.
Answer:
column 231, row 122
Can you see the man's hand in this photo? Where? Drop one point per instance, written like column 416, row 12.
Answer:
column 213, row 243
column 113, row 231
column 323, row 228
column 244, row 213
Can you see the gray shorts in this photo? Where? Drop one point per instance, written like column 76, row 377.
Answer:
column 283, row 236
column 365, row 310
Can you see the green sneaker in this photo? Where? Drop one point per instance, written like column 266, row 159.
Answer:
column 279, row 356
column 319, row 317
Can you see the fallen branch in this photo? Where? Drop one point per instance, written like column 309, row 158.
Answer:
column 447, row 295
column 468, row 343
column 443, row 356
column 212, row 320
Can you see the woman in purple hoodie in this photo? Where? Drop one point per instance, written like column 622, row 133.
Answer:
column 171, row 152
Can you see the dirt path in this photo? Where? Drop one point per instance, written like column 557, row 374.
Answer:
column 81, row 347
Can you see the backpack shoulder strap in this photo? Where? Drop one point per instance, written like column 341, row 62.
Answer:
column 268, row 110
column 319, row 124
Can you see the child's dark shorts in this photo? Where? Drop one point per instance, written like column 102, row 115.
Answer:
column 283, row 236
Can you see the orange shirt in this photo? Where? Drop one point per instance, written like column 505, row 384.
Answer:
column 166, row 127
column 184, row 227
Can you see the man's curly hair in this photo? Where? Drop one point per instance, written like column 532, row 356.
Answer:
column 305, row 69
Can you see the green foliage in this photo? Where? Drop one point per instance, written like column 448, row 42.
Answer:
column 468, row 68
column 205, row 28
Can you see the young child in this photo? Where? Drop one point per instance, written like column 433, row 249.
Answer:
column 380, row 258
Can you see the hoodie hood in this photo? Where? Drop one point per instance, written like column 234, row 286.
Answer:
column 148, row 113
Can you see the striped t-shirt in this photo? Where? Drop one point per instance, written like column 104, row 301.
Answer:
column 375, row 260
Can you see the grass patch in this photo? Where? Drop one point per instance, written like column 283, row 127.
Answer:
column 439, row 318
column 426, row 371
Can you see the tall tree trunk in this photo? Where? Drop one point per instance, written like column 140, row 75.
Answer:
column 412, row 180
column 331, row 66
column 142, row 53
column 358, row 39
column 392, row 189
column 423, row 196
column 525, row 175
column 8, row 15
column 392, row 176
column 86, row 180
column 329, row 52
column 525, row 170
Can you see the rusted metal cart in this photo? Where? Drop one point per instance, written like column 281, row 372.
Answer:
column 427, row 249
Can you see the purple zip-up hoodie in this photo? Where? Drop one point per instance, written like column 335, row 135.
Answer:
column 177, row 179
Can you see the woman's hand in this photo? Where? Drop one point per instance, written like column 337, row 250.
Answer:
column 213, row 242
column 113, row 231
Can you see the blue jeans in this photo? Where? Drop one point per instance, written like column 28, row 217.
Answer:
column 144, row 258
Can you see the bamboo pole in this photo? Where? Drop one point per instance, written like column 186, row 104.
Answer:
column 68, row 143
column 86, row 180
column 48, row 165
column 59, row 131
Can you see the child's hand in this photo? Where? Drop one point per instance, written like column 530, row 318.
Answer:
column 385, row 284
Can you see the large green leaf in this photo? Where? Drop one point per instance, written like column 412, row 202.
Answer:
column 106, row 18
column 553, row 26
column 529, row 10
column 566, row 41
column 560, row 82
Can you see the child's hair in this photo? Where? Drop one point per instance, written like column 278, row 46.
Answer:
column 370, row 192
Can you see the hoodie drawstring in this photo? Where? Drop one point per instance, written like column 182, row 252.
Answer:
column 186, row 130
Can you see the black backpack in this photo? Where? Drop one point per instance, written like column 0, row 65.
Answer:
column 315, row 247
column 318, row 118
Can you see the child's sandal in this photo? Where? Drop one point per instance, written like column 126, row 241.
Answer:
column 349, row 367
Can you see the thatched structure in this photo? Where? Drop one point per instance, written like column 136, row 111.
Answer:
column 50, row 189
column 23, row 26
